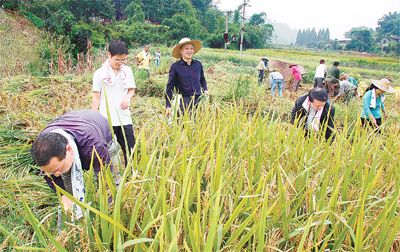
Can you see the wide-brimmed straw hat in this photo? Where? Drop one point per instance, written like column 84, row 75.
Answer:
column 264, row 58
column 175, row 51
column 383, row 84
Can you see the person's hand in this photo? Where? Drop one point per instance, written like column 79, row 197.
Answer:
column 385, row 115
column 125, row 103
column 206, row 92
column 67, row 203
column 375, row 123
column 168, row 112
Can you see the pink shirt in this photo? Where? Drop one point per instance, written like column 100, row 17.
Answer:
column 296, row 73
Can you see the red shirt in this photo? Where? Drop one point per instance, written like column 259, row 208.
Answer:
column 295, row 72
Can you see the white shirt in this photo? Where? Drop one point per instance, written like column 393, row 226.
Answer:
column 261, row 66
column 116, row 86
column 320, row 71
column 275, row 76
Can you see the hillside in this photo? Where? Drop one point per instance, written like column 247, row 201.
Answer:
column 19, row 44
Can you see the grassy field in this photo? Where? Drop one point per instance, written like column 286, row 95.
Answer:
column 19, row 43
column 239, row 177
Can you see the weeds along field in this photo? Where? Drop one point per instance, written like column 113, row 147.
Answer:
column 238, row 177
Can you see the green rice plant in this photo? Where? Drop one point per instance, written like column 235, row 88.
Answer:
column 234, row 176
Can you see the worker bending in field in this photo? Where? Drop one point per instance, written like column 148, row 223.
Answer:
column 314, row 112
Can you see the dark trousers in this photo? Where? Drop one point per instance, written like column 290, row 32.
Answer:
column 130, row 139
column 188, row 103
column 319, row 82
column 367, row 123
column 260, row 76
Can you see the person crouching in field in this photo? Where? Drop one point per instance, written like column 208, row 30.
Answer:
column 114, row 86
column 276, row 80
column 186, row 76
column 347, row 90
column 373, row 103
column 296, row 78
column 64, row 149
column 315, row 112
column 262, row 67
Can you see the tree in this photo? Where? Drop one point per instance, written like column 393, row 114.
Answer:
column 183, row 25
column 361, row 39
column 389, row 24
column 213, row 20
column 201, row 5
column 60, row 22
column 134, row 11
column 258, row 19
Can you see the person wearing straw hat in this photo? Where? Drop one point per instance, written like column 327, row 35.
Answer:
column 262, row 67
column 373, row 103
column 186, row 76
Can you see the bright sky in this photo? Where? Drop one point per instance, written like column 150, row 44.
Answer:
column 337, row 15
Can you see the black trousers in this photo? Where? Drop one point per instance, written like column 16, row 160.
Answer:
column 367, row 123
column 188, row 103
column 130, row 139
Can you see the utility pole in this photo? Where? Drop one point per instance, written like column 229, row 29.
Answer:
column 242, row 28
column 228, row 13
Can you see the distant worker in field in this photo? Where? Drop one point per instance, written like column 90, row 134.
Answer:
column 373, row 103
column 143, row 60
column 262, row 67
column 65, row 147
column 157, row 58
column 334, row 71
column 320, row 74
column 347, row 78
column 276, row 80
column 186, row 77
column 347, row 91
column 350, row 78
column 314, row 112
column 332, row 87
column 113, row 87
column 296, row 78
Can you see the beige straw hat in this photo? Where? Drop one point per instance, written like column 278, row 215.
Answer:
column 383, row 84
column 175, row 51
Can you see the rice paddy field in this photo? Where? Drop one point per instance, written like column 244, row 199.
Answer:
column 238, row 177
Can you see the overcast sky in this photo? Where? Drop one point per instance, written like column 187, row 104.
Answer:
column 339, row 16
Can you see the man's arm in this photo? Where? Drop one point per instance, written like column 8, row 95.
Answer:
column 95, row 100
column 203, row 82
column 127, row 99
column 170, row 87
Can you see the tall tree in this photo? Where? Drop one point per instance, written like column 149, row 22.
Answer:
column 361, row 39
column 389, row 24
column 258, row 19
column 134, row 11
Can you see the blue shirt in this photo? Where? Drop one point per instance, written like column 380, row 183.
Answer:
column 352, row 80
column 188, row 80
column 367, row 110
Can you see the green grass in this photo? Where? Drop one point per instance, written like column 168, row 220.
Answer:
column 19, row 41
